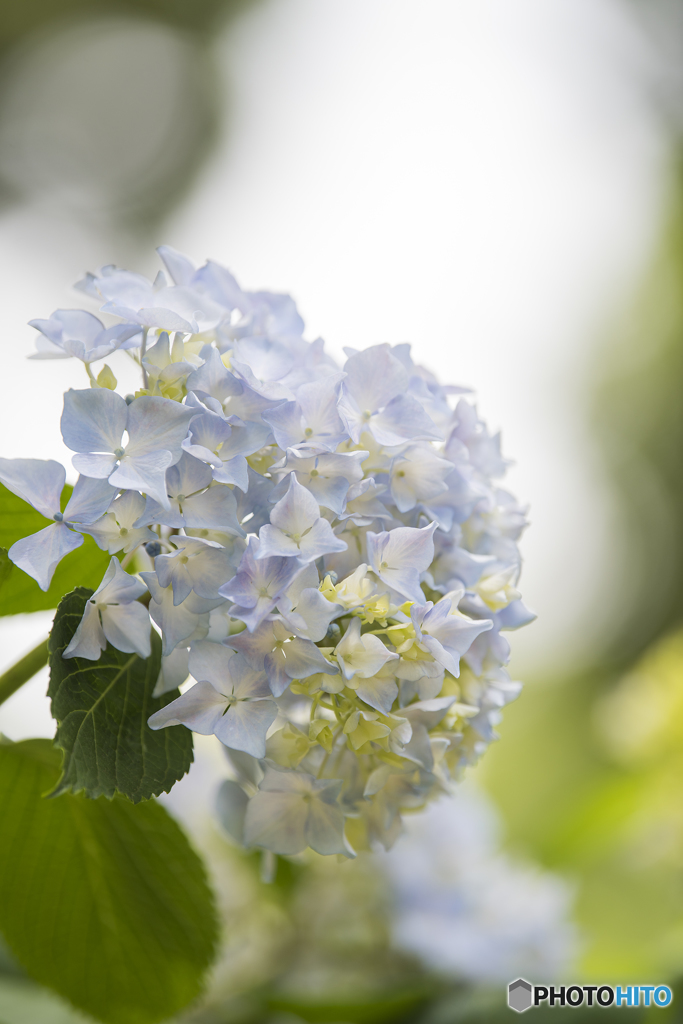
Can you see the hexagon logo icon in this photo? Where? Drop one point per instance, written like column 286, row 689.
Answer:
column 519, row 995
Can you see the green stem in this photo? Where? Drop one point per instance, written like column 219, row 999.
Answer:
column 24, row 670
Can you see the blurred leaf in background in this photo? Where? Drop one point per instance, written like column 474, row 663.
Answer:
column 108, row 107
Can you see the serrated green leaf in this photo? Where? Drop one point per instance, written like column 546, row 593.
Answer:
column 102, row 708
column 18, row 592
column 105, row 903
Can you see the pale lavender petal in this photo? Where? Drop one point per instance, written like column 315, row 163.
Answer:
column 89, row 501
column 210, row 662
column 156, row 424
column 93, row 420
column 374, row 377
column 98, row 467
column 40, row 554
column 378, row 693
column 404, row 419
column 200, row 708
column 127, row 628
column 234, row 471
column 144, row 473
column 214, row 379
column 297, row 511
column 38, row 482
column 245, row 724
column 89, row 640
column 320, row 540
column 276, row 821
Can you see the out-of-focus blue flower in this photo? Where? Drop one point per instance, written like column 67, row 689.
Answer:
column 293, row 810
column 467, row 909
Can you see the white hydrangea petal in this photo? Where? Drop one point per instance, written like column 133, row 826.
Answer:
column 245, row 724
column 276, row 821
column 233, row 471
column 144, row 473
column 360, row 655
column 177, row 622
column 173, row 672
column 210, row 662
column 315, row 613
column 276, row 544
column 379, row 693
column 40, row 553
column 118, row 586
column 156, row 424
column 89, row 501
column 200, row 708
column 320, row 540
column 127, row 628
column 89, row 639
column 297, row 511
column 99, row 467
column 93, row 420
column 374, row 377
column 214, row 379
column 402, row 420
column 36, row 481
column 325, row 829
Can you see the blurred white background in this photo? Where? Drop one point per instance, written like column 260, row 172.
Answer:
column 483, row 178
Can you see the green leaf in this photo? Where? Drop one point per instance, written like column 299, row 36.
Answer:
column 104, row 902
column 102, row 709
column 18, row 592
column 5, row 567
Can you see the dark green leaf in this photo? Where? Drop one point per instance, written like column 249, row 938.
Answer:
column 5, row 567
column 104, row 902
column 102, row 709
column 18, row 592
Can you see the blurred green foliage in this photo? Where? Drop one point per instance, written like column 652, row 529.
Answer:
column 202, row 16
column 124, row 136
column 589, row 773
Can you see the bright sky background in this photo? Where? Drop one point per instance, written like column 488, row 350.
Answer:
column 483, row 178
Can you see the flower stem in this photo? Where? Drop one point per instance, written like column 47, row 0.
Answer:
column 268, row 866
column 23, row 670
column 125, row 562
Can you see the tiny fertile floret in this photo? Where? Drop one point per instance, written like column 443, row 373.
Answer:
column 324, row 550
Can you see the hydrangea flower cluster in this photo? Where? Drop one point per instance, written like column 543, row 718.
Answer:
column 324, row 551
